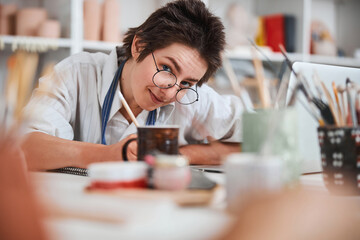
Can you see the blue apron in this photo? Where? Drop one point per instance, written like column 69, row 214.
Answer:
column 105, row 112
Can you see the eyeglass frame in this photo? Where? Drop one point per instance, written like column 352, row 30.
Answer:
column 180, row 88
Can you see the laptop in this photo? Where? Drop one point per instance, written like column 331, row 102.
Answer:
column 309, row 149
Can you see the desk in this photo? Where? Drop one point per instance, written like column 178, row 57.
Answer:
column 139, row 218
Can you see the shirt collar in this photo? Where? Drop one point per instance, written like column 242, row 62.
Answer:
column 107, row 75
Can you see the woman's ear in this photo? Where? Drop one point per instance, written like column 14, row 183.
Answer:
column 136, row 47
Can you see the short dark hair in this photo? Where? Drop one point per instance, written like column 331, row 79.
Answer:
column 188, row 22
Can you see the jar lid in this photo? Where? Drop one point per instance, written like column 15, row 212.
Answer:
column 117, row 171
column 163, row 160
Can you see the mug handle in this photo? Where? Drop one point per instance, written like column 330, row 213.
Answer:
column 124, row 150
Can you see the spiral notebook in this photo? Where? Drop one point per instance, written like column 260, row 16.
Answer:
column 198, row 180
column 71, row 170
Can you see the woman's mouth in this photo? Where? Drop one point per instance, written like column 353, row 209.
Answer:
column 155, row 99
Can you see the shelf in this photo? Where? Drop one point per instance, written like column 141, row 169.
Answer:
column 28, row 42
column 244, row 53
column 100, row 46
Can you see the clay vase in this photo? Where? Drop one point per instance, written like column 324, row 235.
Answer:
column 92, row 20
column 7, row 19
column 111, row 28
column 50, row 29
column 29, row 20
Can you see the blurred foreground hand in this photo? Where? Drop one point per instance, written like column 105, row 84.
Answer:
column 20, row 214
column 297, row 215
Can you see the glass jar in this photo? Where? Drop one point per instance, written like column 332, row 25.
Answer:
column 171, row 172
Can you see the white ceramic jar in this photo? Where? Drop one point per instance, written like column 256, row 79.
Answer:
column 171, row 172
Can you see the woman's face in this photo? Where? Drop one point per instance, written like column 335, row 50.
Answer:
column 184, row 62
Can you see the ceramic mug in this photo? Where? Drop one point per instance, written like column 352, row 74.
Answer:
column 155, row 139
column 275, row 130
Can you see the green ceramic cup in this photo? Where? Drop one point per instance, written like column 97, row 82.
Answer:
column 278, row 129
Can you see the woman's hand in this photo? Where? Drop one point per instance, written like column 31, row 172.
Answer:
column 131, row 151
column 209, row 154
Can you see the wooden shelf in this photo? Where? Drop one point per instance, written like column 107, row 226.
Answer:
column 25, row 41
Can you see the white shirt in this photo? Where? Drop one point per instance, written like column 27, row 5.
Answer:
column 71, row 107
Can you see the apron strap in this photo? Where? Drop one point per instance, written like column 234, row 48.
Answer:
column 151, row 118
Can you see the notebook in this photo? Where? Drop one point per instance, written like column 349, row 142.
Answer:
column 309, row 149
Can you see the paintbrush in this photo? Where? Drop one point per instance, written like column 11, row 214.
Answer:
column 338, row 104
column 341, row 91
column 357, row 105
column 325, row 110
column 268, row 61
column 261, row 81
column 351, row 106
column 284, row 83
column 233, row 80
column 331, row 103
column 318, row 88
column 300, row 78
column 128, row 110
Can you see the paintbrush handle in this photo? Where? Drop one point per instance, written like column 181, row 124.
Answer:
column 233, row 80
column 338, row 104
column 259, row 75
column 128, row 110
column 351, row 106
column 331, row 103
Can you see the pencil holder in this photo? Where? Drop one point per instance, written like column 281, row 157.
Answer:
column 277, row 131
column 340, row 158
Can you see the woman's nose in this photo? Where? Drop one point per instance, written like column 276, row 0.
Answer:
column 170, row 92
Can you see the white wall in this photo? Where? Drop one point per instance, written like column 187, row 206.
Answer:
column 348, row 29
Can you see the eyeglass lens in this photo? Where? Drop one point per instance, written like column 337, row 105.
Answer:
column 165, row 80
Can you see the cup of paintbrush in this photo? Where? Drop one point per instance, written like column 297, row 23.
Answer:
column 339, row 148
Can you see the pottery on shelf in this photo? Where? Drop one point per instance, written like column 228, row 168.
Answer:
column 7, row 19
column 50, row 29
column 111, row 26
column 29, row 20
column 92, row 20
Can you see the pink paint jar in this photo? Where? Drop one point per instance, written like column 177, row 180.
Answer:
column 171, row 172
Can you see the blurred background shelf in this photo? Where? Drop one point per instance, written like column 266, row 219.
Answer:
column 39, row 41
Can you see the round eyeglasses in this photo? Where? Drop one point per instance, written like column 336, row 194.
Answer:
column 165, row 79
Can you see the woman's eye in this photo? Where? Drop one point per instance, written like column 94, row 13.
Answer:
column 185, row 84
column 166, row 68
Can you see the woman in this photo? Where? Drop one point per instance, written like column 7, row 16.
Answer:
column 160, row 70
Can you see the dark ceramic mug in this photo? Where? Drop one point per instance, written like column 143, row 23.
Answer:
column 340, row 158
column 155, row 139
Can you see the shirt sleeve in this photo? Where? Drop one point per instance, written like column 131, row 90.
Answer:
column 215, row 115
column 52, row 104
